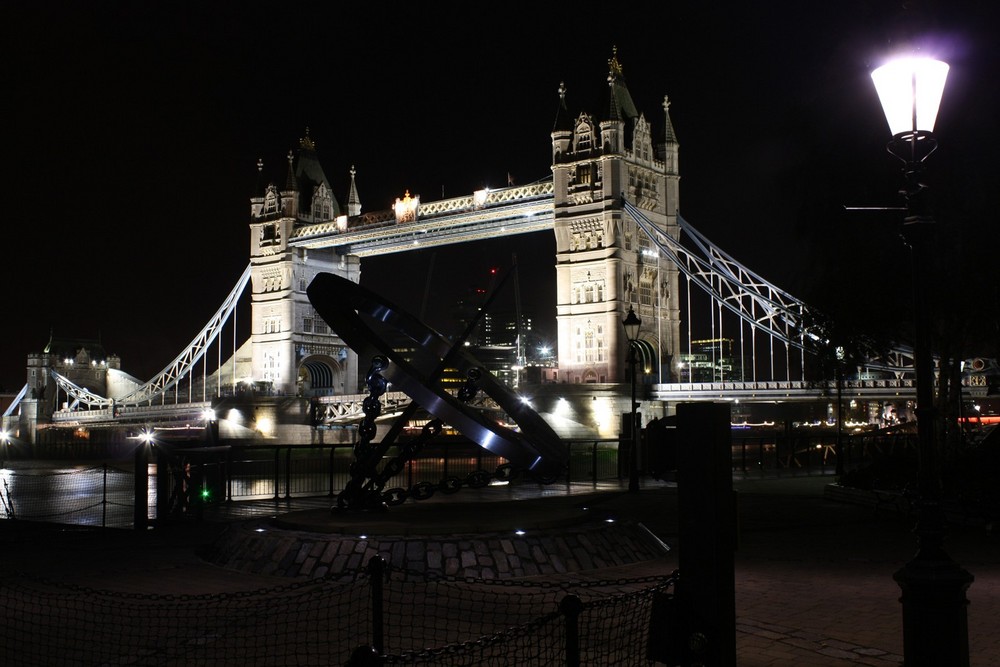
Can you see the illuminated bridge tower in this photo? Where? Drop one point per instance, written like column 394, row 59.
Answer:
column 604, row 262
column 293, row 351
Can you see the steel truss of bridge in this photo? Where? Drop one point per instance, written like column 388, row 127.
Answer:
column 483, row 215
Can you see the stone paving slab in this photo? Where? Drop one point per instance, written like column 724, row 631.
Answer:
column 274, row 548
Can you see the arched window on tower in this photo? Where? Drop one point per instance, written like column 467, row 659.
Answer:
column 583, row 135
column 647, row 286
column 642, row 142
column 272, row 202
column 322, row 203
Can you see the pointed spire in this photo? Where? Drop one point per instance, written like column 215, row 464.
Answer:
column 353, row 201
column 563, row 122
column 622, row 106
column 306, row 143
column 670, row 136
column 614, row 71
column 291, row 183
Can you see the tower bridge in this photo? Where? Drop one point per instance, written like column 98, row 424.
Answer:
column 621, row 245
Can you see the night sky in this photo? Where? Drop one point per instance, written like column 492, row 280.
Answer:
column 134, row 130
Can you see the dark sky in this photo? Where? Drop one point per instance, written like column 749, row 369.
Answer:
column 134, row 129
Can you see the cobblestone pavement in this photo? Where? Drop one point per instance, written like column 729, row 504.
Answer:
column 814, row 580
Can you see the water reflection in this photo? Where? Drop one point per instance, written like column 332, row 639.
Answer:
column 80, row 495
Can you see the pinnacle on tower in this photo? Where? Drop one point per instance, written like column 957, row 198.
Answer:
column 306, row 142
column 622, row 106
column 670, row 136
column 563, row 122
column 353, row 201
column 290, row 183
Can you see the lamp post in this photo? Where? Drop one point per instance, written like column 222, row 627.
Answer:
column 935, row 623
column 632, row 324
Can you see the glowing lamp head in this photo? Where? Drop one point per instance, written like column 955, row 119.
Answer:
column 632, row 324
column 910, row 91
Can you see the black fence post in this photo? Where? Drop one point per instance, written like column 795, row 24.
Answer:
column 571, row 606
column 569, row 463
column 227, row 476
column 288, row 472
column 333, row 460
column 162, row 485
column 104, row 498
column 593, row 463
column 277, row 473
column 140, row 518
column 376, row 570
column 200, row 481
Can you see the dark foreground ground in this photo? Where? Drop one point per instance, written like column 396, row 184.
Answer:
column 813, row 577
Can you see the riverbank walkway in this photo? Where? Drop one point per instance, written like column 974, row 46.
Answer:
column 814, row 582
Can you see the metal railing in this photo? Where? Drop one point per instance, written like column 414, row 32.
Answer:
column 104, row 493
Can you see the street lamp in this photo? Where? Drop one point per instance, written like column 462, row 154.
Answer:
column 632, row 324
column 935, row 623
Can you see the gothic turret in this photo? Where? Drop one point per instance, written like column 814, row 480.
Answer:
column 308, row 186
column 562, row 129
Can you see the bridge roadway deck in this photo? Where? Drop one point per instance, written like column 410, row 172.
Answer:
column 814, row 576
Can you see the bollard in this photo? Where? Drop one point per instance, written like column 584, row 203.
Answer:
column 706, row 587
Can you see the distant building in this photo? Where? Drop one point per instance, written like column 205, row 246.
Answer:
column 710, row 360
column 84, row 362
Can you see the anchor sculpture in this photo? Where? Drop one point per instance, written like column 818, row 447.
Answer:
column 411, row 357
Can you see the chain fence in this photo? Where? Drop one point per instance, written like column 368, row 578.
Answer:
column 374, row 616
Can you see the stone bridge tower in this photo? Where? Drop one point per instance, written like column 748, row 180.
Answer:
column 293, row 351
column 605, row 263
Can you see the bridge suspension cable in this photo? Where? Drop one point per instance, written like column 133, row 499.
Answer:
column 179, row 368
column 755, row 300
column 749, row 296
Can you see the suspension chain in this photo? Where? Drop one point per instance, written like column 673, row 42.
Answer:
column 362, row 494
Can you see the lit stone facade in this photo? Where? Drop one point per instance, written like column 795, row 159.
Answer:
column 293, row 350
column 604, row 262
